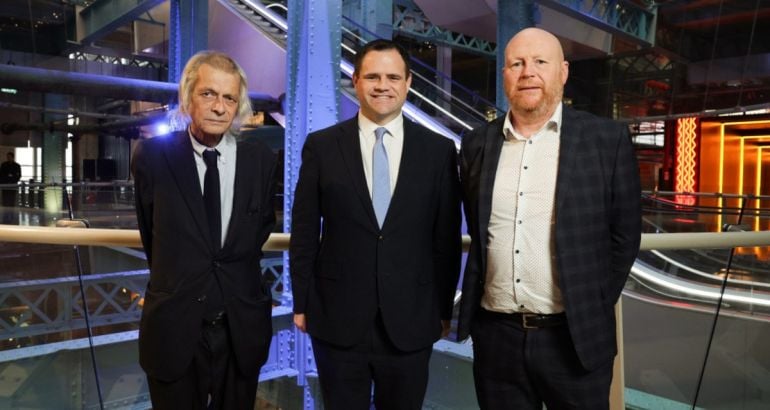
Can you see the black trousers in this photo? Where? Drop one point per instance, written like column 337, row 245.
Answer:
column 9, row 196
column 346, row 374
column 518, row 368
column 213, row 380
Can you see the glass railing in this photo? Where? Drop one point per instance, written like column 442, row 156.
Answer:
column 686, row 341
column 695, row 318
column 69, row 315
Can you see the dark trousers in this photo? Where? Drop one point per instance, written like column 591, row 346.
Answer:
column 212, row 381
column 9, row 196
column 518, row 368
column 346, row 374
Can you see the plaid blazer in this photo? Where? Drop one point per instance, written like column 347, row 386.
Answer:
column 597, row 230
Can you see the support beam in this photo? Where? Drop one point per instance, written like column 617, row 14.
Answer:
column 312, row 103
column 188, row 33
column 377, row 17
column 105, row 16
column 512, row 17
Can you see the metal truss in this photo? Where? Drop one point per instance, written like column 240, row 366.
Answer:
column 51, row 306
column 408, row 19
column 131, row 61
column 48, row 306
column 622, row 16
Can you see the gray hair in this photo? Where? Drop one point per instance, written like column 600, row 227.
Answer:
column 220, row 61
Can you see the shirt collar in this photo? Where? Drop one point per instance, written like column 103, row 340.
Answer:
column 226, row 147
column 368, row 126
column 553, row 124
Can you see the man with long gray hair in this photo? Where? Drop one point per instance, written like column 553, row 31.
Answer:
column 204, row 205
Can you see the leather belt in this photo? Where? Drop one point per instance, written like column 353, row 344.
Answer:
column 531, row 320
column 217, row 320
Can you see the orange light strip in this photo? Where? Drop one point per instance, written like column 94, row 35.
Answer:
column 720, row 201
column 741, row 159
column 758, row 188
column 684, row 173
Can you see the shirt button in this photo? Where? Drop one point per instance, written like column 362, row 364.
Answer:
column 521, row 193
column 518, row 280
column 529, row 142
column 526, row 167
column 521, row 306
column 517, row 251
column 519, row 221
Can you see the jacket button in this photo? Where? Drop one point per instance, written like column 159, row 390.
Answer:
column 201, row 299
column 380, row 237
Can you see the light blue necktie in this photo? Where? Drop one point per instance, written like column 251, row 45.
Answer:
column 380, row 177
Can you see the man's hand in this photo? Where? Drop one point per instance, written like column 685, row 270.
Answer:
column 445, row 327
column 299, row 321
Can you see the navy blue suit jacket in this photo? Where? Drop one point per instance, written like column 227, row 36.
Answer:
column 597, row 230
column 346, row 268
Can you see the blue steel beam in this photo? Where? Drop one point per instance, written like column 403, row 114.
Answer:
column 105, row 16
column 188, row 30
column 312, row 103
column 512, row 17
column 377, row 17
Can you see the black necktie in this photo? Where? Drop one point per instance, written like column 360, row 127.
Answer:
column 211, row 196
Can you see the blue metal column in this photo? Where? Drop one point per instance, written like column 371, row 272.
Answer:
column 377, row 17
column 512, row 17
column 188, row 33
column 312, row 103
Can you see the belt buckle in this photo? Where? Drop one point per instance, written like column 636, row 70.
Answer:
column 525, row 320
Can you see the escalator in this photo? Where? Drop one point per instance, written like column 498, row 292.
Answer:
column 427, row 103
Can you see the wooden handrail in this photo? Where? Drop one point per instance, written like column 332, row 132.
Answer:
column 280, row 241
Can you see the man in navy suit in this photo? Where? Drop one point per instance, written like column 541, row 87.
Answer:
column 552, row 200
column 204, row 205
column 375, row 243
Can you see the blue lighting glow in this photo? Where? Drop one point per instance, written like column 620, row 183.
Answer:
column 162, row 129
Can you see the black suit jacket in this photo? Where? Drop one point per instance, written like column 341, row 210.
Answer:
column 184, row 265
column 408, row 269
column 597, row 231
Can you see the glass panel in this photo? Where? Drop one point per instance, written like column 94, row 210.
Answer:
column 669, row 307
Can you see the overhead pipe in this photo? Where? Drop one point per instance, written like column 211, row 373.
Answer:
column 94, row 85
column 57, row 126
column 72, row 112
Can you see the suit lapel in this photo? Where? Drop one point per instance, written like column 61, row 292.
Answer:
column 492, row 147
column 568, row 146
column 350, row 146
column 408, row 168
column 244, row 189
column 179, row 154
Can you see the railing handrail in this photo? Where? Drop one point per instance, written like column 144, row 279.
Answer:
column 706, row 194
column 280, row 241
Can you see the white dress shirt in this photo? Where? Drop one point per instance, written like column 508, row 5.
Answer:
column 521, row 273
column 393, row 141
column 226, row 166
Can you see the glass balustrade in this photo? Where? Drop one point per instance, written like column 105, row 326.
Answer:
column 685, row 341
